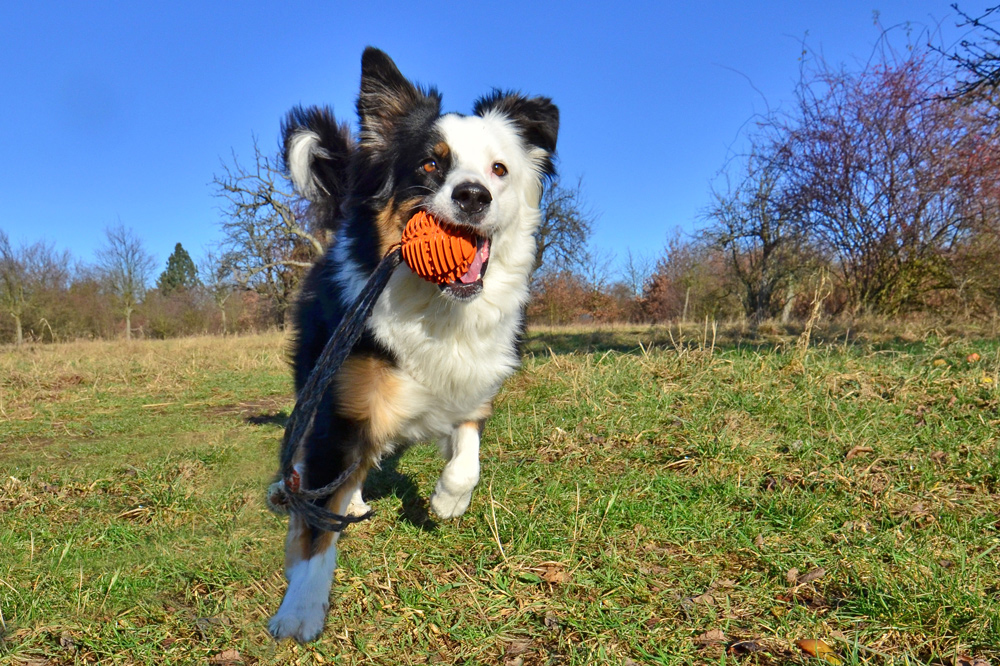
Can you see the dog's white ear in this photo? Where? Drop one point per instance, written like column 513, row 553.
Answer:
column 536, row 117
column 317, row 153
column 386, row 97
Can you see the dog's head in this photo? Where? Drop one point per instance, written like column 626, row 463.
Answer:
column 483, row 172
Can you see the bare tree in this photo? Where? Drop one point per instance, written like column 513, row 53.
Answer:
column 26, row 273
column 979, row 55
column 267, row 242
column 567, row 225
column 125, row 268
column 217, row 276
column 753, row 223
column 885, row 175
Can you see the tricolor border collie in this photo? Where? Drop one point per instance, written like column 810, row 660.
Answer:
column 432, row 356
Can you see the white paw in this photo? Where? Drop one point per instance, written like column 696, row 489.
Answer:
column 302, row 620
column 357, row 509
column 447, row 505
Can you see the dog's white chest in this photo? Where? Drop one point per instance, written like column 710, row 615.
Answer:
column 452, row 357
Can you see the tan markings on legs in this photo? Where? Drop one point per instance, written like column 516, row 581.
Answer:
column 298, row 543
column 368, row 391
column 338, row 503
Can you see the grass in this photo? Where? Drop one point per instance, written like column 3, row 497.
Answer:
column 637, row 494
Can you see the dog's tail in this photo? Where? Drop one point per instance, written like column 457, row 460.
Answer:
column 317, row 155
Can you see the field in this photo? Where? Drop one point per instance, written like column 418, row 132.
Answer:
column 647, row 497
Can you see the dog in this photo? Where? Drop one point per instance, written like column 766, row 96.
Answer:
column 432, row 357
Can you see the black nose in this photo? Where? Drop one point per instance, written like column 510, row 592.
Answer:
column 471, row 197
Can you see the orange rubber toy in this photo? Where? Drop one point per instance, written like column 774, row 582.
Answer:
column 436, row 253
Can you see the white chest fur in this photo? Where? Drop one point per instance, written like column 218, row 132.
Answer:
column 453, row 356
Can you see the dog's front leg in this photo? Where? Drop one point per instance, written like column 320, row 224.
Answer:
column 310, row 558
column 461, row 473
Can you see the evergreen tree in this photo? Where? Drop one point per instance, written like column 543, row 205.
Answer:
column 180, row 272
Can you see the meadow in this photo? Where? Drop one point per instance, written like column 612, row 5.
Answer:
column 648, row 496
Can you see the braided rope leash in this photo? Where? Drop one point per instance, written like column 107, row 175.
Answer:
column 286, row 495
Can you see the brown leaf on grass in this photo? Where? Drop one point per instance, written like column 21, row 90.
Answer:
column 962, row 660
column 554, row 573
column 939, row 456
column 518, row 647
column 227, row 657
column 745, row 647
column 792, row 576
column 814, row 647
column 857, row 451
column 712, row 637
column 811, row 575
column 759, row 541
column 972, row 358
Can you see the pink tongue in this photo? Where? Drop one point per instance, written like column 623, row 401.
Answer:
column 482, row 254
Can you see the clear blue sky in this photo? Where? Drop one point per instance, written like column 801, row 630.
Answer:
column 123, row 110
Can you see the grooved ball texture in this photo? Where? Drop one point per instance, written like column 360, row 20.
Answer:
column 437, row 253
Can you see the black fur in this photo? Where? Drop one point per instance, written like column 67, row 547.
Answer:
column 537, row 117
column 330, row 164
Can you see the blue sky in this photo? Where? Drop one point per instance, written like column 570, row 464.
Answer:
column 123, row 110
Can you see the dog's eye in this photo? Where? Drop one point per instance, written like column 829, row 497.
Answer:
column 499, row 169
column 430, row 165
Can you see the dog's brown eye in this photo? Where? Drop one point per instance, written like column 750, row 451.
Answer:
column 499, row 170
column 430, row 166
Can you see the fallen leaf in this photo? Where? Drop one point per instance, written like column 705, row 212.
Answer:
column 962, row 660
column 227, row 657
column 857, row 451
column 972, row 358
column 939, row 456
column 819, row 649
column 759, row 541
column 938, row 362
column 517, row 647
column 792, row 576
column 711, row 637
column 810, row 576
column 551, row 621
column 745, row 647
column 555, row 574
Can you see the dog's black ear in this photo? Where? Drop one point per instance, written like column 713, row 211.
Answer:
column 387, row 96
column 537, row 118
column 317, row 153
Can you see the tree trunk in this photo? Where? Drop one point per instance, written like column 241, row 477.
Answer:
column 19, row 340
column 128, row 325
column 786, row 312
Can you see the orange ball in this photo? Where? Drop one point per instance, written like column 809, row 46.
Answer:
column 437, row 253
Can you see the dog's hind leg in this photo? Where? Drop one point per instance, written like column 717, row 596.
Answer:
column 460, row 474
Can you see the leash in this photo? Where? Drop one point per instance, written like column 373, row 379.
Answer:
column 286, row 495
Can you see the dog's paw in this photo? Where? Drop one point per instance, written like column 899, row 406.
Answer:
column 357, row 509
column 302, row 621
column 447, row 505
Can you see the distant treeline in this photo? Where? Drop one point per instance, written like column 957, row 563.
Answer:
column 876, row 192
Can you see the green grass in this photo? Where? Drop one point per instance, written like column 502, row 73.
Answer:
column 634, row 496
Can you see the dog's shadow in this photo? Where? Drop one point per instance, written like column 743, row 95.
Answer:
column 389, row 481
